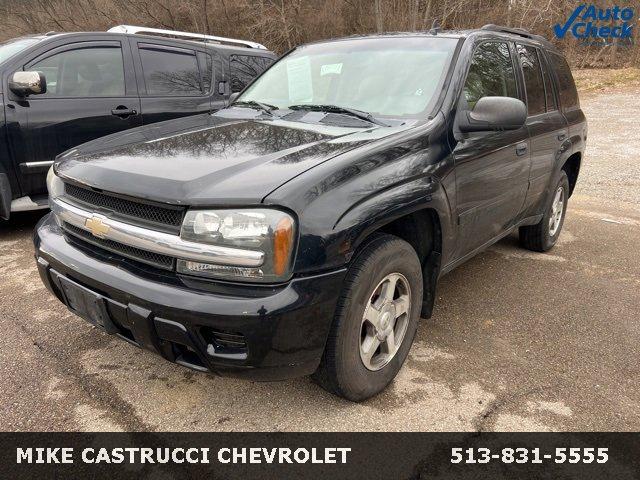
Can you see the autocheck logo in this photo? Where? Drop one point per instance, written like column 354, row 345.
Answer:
column 587, row 22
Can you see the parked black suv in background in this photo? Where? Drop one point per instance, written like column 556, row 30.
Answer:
column 84, row 86
column 303, row 229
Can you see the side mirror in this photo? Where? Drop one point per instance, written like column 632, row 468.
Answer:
column 24, row 84
column 494, row 114
column 233, row 96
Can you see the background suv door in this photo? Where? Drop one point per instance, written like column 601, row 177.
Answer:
column 492, row 168
column 91, row 93
column 175, row 81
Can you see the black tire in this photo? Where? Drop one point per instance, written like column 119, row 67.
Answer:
column 342, row 370
column 538, row 237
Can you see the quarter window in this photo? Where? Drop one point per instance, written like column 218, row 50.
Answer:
column 568, row 93
column 548, row 88
column 244, row 68
column 170, row 72
column 532, row 79
column 491, row 73
column 85, row 72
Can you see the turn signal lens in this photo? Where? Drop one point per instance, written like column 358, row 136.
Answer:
column 282, row 245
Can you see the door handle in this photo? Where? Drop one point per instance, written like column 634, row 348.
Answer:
column 521, row 149
column 562, row 136
column 123, row 112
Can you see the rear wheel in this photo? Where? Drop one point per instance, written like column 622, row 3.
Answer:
column 544, row 235
column 375, row 322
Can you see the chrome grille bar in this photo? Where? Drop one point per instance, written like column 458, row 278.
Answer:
column 154, row 241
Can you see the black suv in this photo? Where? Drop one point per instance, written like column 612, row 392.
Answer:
column 60, row 90
column 303, row 229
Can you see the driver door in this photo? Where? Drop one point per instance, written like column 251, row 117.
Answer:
column 492, row 168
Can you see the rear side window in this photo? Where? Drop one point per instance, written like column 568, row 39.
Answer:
column 567, row 87
column 533, row 81
column 548, row 87
column 491, row 73
column 244, row 68
column 170, row 72
column 206, row 65
column 84, row 72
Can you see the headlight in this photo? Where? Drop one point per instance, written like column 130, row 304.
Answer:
column 54, row 184
column 265, row 230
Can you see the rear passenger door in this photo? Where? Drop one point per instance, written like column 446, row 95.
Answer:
column 547, row 126
column 174, row 81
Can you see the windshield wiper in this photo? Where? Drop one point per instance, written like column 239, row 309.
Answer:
column 336, row 109
column 265, row 107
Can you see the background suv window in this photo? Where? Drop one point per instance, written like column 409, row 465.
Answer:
column 491, row 73
column 170, row 71
column 85, row 72
column 532, row 79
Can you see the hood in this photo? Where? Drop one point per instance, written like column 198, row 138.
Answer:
column 205, row 160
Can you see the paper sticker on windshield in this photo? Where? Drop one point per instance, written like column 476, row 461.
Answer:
column 331, row 68
column 299, row 78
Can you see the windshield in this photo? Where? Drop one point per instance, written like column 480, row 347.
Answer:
column 10, row 48
column 397, row 77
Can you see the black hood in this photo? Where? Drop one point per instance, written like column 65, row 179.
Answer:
column 205, row 160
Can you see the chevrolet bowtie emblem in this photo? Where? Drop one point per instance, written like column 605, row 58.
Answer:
column 97, row 227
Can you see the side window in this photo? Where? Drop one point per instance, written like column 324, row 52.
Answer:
column 206, row 67
column 85, row 72
column 170, row 72
column 532, row 79
column 491, row 73
column 244, row 68
column 568, row 93
column 548, row 86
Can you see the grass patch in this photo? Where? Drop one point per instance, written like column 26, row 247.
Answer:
column 592, row 79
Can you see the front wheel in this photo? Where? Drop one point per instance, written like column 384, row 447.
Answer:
column 544, row 235
column 375, row 322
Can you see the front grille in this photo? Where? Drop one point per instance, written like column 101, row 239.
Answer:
column 160, row 261
column 166, row 217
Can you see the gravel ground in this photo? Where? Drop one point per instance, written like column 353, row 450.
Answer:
column 518, row 341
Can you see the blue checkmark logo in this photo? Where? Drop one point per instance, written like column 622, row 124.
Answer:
column 561, row 31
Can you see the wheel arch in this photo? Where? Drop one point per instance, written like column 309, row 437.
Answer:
column 571, row 166
column 422, row 229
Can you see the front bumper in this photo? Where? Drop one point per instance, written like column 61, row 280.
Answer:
column 267, row 333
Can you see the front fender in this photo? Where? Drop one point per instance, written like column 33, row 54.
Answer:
column 342, row 201
column 372, row 214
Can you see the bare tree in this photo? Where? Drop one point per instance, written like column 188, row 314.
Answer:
column 282, row 24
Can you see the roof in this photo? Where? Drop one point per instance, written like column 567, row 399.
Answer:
column 501, row 31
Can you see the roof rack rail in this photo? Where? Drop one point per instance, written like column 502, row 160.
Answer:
column 515, row 31
column 187, row 35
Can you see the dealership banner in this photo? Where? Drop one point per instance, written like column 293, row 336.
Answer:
column 320, row 455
